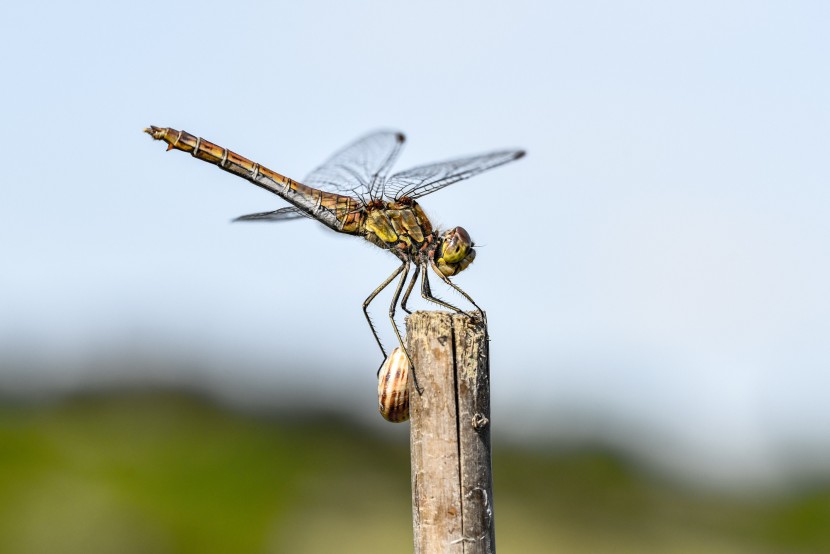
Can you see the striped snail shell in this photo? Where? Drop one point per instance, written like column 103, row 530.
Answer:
column 393, row 387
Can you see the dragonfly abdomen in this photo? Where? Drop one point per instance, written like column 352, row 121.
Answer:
column 338, row 212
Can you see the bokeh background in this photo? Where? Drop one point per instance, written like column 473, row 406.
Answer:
column 655, row 273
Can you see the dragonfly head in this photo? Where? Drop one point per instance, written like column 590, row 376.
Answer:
column 454, row 252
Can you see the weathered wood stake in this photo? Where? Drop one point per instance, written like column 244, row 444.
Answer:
column 452, row 484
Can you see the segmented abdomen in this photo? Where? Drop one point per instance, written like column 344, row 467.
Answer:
column 341, row 213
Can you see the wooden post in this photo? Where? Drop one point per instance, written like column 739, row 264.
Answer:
column 452, row 484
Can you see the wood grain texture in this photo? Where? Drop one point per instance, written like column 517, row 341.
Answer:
column 450, row 435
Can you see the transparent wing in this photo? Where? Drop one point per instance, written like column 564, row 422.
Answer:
column 283, row 214
column 359, row 169
column 422, row 180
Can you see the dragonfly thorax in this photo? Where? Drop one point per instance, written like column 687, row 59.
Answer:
column 401, row 226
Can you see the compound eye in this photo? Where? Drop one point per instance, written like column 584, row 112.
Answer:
column 455, row 246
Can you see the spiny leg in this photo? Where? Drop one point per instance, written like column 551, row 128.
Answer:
column 457, row 288
column 426, row 293
column 397, row 295
column 372, row 297
column 409, row 288
column 392, row 307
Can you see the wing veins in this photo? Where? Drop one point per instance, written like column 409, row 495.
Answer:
column 283, row 214
column 422, row 180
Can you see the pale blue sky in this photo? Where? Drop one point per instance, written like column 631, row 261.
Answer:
column 656, row 267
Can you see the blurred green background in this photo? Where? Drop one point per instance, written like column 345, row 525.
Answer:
column 161, row 471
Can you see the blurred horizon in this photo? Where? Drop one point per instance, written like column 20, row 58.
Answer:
column 115, row 371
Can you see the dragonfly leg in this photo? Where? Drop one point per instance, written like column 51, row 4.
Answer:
column 392, row 307
column 372, row 297
column 426, row 293
column 457, row 288
column 409, row 289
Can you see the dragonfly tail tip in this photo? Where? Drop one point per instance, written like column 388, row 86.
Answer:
column 155, row 132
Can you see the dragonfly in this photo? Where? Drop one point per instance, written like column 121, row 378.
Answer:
column 353, row 193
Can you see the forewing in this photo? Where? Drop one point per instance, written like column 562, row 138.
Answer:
column 422, row 180
column 283, row 214
column 359, row 169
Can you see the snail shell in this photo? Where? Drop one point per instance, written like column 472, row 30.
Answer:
column 393, row 387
